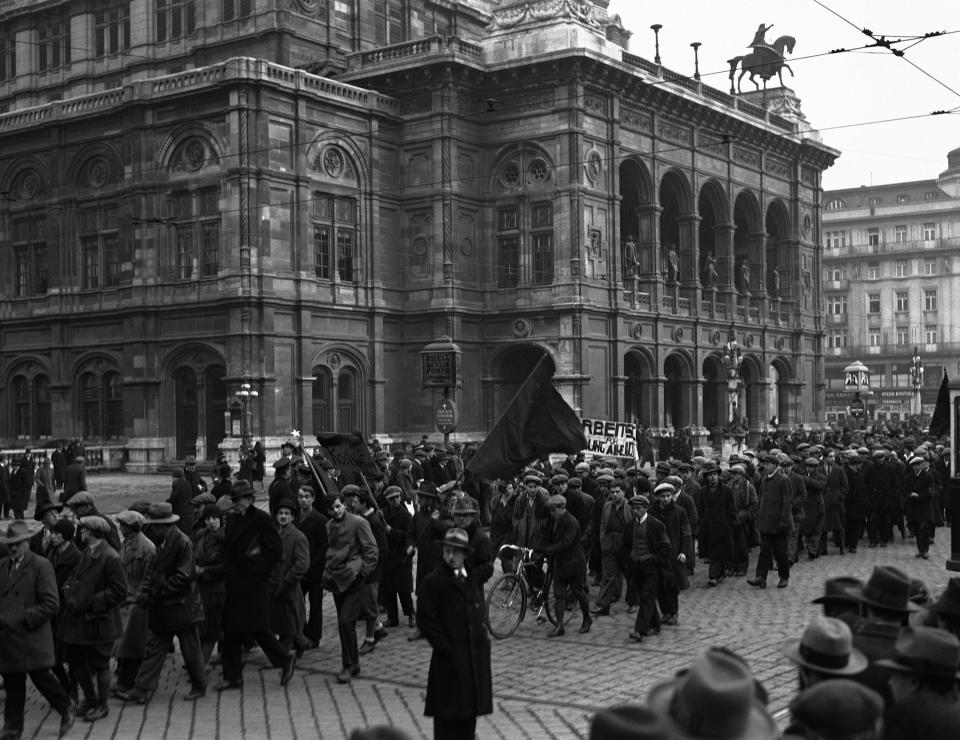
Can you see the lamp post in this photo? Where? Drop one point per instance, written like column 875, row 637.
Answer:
column 732, row 358
column 696, row 59
column 656, row 40
column 245, row 395
column 916, row 378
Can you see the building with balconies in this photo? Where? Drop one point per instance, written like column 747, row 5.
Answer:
column 890, row 262
column 292, row 199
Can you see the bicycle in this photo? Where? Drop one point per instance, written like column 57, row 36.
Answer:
column 507, row 598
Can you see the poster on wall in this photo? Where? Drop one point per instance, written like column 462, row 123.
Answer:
column 610, row 439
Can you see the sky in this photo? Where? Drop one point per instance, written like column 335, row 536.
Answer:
column 843, row 95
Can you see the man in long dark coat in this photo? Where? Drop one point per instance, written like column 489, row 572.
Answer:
column 181, row 497
column 450, row 615
column 397, row 579
column 774, row 520
column 425, row 536
column 252, row 548
column 28, row 601
column 674, row 518
column 314, row 525
column 717, row 523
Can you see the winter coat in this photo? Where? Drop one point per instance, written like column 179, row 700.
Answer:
column 774, row 515
column 856, row 504
column 450, row 615
column 287, row 610
column 136, row 557
column 314, row 527
column 397, row 574
column 74, row 480
column 565, row 547
column 479, row 563
column 181, row 494
column 352, row 553
column 92, row 596
column 717, row 523
column 835, row 490
column 530, row 519
column 918, row 497
column 28, row 601
column 426, row 537
column 501, row 523
column 252, row 548
column 208, row 565
column 169, row 592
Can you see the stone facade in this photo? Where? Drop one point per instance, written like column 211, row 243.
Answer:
column 302, row 197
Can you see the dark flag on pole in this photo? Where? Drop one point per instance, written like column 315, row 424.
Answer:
column 940, row 423
column 536, row 422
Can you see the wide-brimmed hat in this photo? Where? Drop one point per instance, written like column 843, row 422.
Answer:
column 948, row 604
column 19, row 530
column 466, row 505
column 80, row 498
column 456, row 537
column 133, row 519
column 887, row 588
column 96, row 524
column 826, row 646
column 835, row 591
column 628, row 722
column 715, row 698
column 241, row 488
column 926, row 651
column 161, row 513
column 839, row 707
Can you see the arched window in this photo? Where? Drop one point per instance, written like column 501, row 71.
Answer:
column 101, row 406
column 31, row 407
column 322, row 400
column 346, row 401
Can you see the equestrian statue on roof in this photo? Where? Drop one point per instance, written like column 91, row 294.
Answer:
column 765, row 61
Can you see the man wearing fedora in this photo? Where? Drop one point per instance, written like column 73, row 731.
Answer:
column 885, row 602
column 824, row 651
column 252, row 548
column 946, row 608
column 718, row 520
column 466, row 516
column 91, row 622
column 450, row 614
column 923, row 680
column 839, row 603
column 28, row 601
column 169, row 594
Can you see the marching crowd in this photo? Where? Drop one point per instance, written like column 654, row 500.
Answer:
column 91, row 604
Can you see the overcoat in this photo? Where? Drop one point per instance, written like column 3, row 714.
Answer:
column 169, row 590
column 21, row 486
column 426, row 535
column 450, row 616
column 776, row 496
column 92, row 596
column 75, row 480
column 252, row 548
column 287, row 610
column 835, row 490
column 314, row 526
column 565, row 547
column 717, row 522
column 28, row 601
column 181, row 492
column 397, row 571
column 209, row 567
column 136, row 556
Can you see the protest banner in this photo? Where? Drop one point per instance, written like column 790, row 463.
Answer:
column 610, row 438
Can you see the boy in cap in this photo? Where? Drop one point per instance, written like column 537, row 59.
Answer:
column 569, row 565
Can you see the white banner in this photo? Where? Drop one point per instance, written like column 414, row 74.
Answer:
column 610, row 439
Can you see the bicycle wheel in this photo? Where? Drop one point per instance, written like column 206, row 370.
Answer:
column 506, row 605
column 572, row 607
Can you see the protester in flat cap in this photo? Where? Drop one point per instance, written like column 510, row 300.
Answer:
column 361, row 503
column 169, row 594
column 855, row 505
column 426, row 535
column 814, row 508
column 28, row 601
column 397, row 579
column 288, row 612
column 280, row 487
column 674, row 518
column 718, row 520
column 313, row 524
column 82, row 505
column 252, row 548
column 450, row 614
column 466, row 516
column 64, row 555
column 190, row 472
column 181, row 496
column 919, row 504
column 645, row 557
column 924, row 669
column 91, row 621
column 501, row 522
column 136, row 557
column 835, row 489
column 613, row 522
column 774, row 520
column 565, row 552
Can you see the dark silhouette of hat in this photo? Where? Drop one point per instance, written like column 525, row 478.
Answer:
column 835, row 591
column 628, row 722
column 887, row 588
column 839, row 707
column 19, row 530
column 926, row 651
column 715, row 698
column 161, row 513
column 466, row 505
column 948, row 604
column 240, row 489
column 456, row 537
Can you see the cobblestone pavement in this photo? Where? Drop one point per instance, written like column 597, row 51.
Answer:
column 542, row 688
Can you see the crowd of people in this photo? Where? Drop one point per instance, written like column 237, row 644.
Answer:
column 106, row 596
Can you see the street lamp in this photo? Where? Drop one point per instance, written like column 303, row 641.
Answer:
column 732, row 358
column 696, row 59
column 245, row 395
column 916, row 377
column 656, row 40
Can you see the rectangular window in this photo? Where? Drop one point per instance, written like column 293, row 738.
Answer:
column 929, row 232
column 508, row 259
column 196, row 232
column 835, row 273
column 901, row 268
column 345, row 255
column 837, row 339
column 873, row 303
column 903, row 301
column 8, row 58
column 334, row 237
column 836, row 239
column 929, row 267
column 873, row 238
column 30, row 250
column 209, row 248
column 99, row 247
column 175, row 18
column 111, row 261
column 903, row 335
column 53, row 45
column 236, row 9
column 900, row 234
column 321, row 251
column 541, row 223
column 931, row 334
column 184, row 265
column 837, row 305
column 343, row 16
column 91, row 262
column 874, row 339
column 112, row 30
column 930, row 299
column 23, row 273
column 388, row 22
column 873, row 271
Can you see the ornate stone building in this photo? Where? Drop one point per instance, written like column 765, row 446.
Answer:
column 300, row 195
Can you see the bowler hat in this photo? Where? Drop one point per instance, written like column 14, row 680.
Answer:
column 926, row 651
column 628, row 722
column 96, row 524
column 835, row 590
column 161, row 513
column 887, row 588
column 190, row 460
column 839, row 707
column 715, row 698
column 456, row 537
column 19, row 530
column 466, row 505
column 948, row 604
column 241, row 488
column 826, row 646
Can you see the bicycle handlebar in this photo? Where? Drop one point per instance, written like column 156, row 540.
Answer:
column 526, row 553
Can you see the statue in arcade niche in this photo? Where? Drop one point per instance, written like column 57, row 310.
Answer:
column 775, row 283
column 631, row 259
column 673, row 264
column 710, row 272
column 745, row 276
